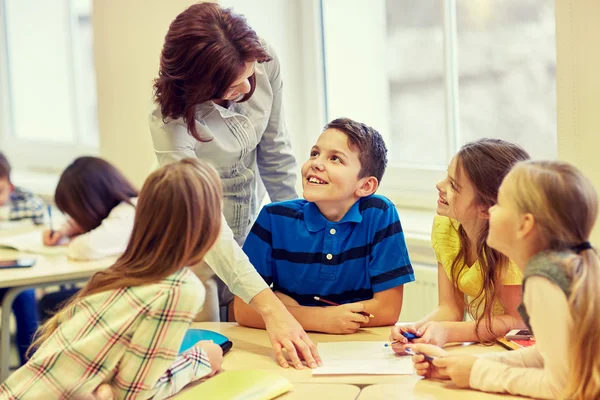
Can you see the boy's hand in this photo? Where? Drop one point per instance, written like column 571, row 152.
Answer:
column 344, row 319
column 51, row 238
column 215, row 354
column 433, row 332
column 426, row 368
column 396, row 335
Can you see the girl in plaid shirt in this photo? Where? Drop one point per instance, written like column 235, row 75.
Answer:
column 126, row 325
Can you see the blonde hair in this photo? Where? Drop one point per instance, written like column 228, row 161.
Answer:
column 177, row 220
column 564, row 205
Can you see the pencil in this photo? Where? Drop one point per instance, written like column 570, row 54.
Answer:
column 317, row 298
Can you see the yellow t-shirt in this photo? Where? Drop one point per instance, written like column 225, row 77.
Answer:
column 446, row 243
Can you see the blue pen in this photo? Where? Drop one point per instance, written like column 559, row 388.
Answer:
column 408, row 335
column 414, row 353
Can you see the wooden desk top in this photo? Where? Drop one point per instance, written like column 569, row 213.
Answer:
column 48, row 269
column 321, row 391
column 252, row 350
column 425, row 389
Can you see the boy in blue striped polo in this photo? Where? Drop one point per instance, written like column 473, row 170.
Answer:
column 341, row 243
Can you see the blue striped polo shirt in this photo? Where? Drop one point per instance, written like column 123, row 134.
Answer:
column 294, row 247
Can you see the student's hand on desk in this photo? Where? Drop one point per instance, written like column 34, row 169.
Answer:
column 426, row 368
column 457, row 368
column 214, row 353
column 396, row 335
column 51, row 238
column 433, row 332
column 344, row 319
column 285, row 332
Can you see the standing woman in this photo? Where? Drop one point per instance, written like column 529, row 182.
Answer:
column 219, row 98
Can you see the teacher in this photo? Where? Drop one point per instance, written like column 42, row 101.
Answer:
column 219, row 98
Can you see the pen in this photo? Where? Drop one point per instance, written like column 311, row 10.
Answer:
column 50, row 220
column 408, row 335
column 414, row 353
column 317, row 298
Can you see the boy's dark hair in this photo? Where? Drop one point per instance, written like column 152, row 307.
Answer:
column 372, row 152
column 4, row 167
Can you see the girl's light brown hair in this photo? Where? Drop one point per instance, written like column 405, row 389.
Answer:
column 177, row 220
column 485, row 162
column 564, row 206
column 89, row 188
column 205, row 51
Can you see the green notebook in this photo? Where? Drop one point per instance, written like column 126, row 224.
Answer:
column 238, row 385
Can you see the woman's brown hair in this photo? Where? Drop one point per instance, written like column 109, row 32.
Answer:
column 89, row 188
column 485, row 163
column 177, row 220
column 205, row 51
column 564, row 206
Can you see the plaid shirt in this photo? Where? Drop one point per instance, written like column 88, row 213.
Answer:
column 24, row 204
column 128, row 337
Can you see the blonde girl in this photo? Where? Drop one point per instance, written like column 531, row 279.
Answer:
column 543, row 219
column 473, row 278
column 126, row 325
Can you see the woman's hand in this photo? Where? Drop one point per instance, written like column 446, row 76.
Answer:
column 102, row 392
column 433, row 332
column 457, row 368
column 396, row 336
column 286, row 333
column 426, row 368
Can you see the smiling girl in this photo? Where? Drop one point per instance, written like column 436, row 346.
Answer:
column 472, row 277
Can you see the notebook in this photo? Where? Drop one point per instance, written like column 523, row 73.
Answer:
column 31, row 242
column 193, row 336
column 361, row 358
column 238, row 385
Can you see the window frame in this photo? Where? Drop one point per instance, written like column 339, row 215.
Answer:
column 41, row 155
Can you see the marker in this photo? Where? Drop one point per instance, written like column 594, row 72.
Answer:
column 317, row 298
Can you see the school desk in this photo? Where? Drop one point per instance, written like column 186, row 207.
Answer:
column 47, row 271
column 425, row 389
column 321, row 391
column 252, row 350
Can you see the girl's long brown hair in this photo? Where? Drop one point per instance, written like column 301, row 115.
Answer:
column 177, row 220
column 205, row 51
column 485, row 162
column 564, row 205
column 89, row 188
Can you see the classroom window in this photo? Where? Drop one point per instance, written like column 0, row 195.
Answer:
column 48, row 85
column 431, row 75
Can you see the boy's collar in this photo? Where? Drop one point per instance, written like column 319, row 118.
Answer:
column 315, row 221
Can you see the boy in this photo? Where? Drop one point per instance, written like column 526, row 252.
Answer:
column 16, row 203
column 341, row 243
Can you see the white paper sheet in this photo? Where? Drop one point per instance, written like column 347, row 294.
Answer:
column 361, row 358
column 31, row 242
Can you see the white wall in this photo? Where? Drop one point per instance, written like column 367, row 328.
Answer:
column 578, row 87
column 128, row 39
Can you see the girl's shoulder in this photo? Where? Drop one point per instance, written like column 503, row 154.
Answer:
column 444, row 237
column 552, row 266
